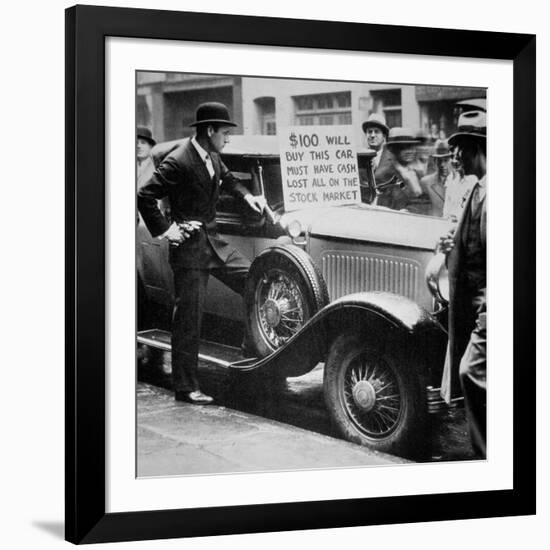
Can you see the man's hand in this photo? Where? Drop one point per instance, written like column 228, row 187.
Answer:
column 257, row 203
column 177, row 233
column 447, row 242
column 411, row 184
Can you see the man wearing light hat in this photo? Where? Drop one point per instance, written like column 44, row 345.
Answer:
column 376, row 132
column 190, row 176
column 466, row 262
column 435, row 184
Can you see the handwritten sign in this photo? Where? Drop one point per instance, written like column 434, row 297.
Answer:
column 318, row 166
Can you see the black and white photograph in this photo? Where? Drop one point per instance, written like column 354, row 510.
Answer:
column 310, row 273
column 249, row 252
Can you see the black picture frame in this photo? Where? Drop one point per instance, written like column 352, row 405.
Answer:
column 86, row 30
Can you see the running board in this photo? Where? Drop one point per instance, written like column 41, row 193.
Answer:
column 160, row 339
column 155, row 338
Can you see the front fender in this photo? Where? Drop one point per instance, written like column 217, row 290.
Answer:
column 377, row 315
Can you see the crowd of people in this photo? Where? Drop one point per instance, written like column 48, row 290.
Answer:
column 415, row 171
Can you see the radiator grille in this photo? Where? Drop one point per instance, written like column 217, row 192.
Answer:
column 348, row 273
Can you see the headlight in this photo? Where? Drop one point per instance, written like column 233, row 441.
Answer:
column 437, row 278
column 294, row 229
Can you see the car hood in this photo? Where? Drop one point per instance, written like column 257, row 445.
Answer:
column 363, row 222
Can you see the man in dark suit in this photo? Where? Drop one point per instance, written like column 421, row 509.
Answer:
column 376, row 133
column 190, row 176
column 466, row 262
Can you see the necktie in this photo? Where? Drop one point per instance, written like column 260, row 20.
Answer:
column 209, row 165
column 376, row 161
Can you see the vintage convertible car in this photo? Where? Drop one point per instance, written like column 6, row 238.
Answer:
column 341, row 285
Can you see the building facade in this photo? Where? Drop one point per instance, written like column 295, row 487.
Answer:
column 166, row 103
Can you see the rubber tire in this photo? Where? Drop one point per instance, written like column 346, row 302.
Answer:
column 409, row 438
column 297, row 265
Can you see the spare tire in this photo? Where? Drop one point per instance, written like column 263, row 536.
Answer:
column 283, row 291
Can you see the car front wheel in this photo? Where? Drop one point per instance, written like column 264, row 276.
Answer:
column 374, row 397
column 284, row 290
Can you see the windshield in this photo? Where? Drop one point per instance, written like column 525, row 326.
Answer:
column 273, row 188
column 429, row 202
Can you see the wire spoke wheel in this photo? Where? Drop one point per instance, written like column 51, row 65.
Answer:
column 375, row 395
column 371, row 395
column 284, row 290
column 281, row 308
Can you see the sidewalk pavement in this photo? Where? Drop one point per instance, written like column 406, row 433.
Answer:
column 176, row 438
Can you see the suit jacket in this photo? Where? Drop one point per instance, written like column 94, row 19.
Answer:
column 385, row 170
column 436, row 194
column 144, row 171
column 463, row 312
column 183, row 177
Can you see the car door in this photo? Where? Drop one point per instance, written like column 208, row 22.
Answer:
column 243, row 229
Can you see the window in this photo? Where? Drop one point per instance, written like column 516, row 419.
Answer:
column 323, row 109
column 344, row 118
column 265, row 107
column 143, row 112
column 326, row 120
column 269, row 128
column 243, row 169
column 388, row 102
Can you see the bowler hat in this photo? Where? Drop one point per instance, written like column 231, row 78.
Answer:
column 401, row 136
column 378, row 121
column 145, row 133
column 442, row 150
column 472, row 124
column 212, row 113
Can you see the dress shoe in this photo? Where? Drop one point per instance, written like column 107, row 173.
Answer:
column 194, row 397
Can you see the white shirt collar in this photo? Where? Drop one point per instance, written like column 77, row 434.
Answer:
column 206, row 158
column 202, row 153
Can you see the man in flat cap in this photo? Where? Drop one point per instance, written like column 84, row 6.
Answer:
column 190, row 176
column 466, row 262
